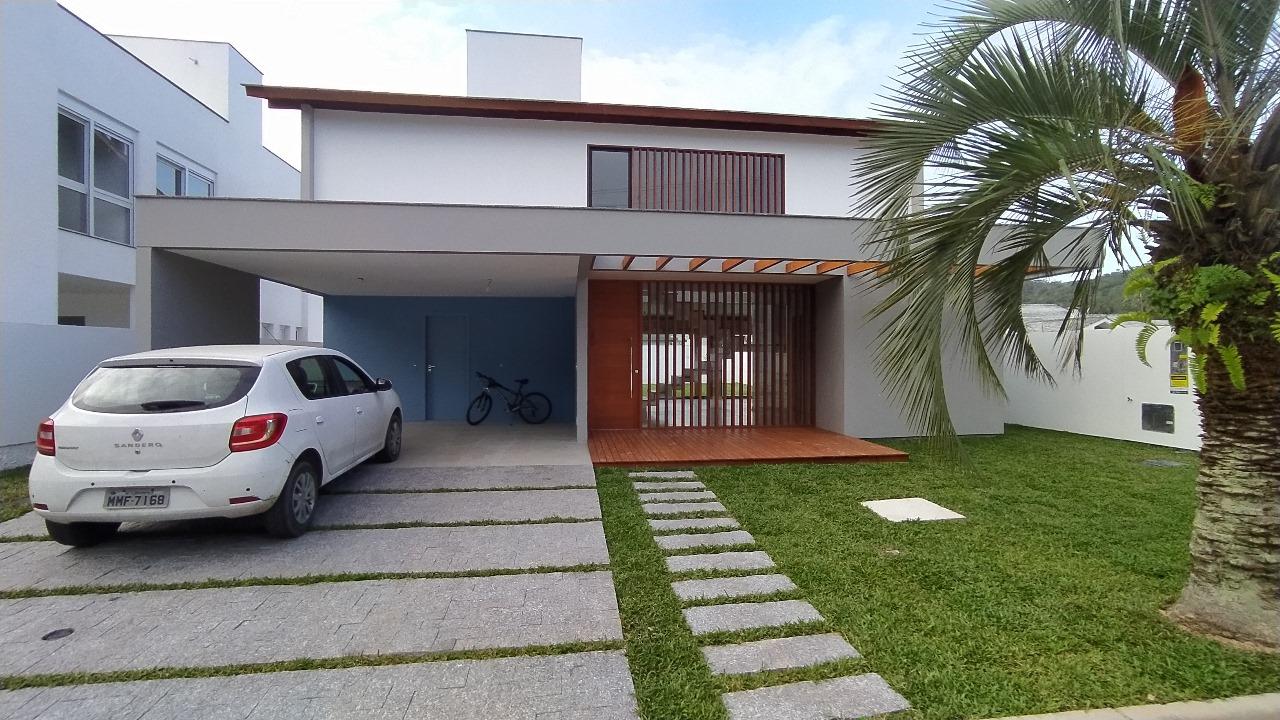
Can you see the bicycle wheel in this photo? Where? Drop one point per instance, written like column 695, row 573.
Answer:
column 479, row 409
column 535, row 408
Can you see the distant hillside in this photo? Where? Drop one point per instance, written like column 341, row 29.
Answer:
column 1109, row 300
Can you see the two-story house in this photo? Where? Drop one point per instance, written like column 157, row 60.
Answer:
column 88, row 124
column 645, row 267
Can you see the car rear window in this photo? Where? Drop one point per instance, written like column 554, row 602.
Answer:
column 163, row 389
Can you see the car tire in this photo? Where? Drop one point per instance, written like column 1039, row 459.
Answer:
column 80, row 534
column 294, row 510
column 392, row 441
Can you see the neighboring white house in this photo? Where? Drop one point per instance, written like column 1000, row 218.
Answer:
column 646, row 267
column 88, row 124
column 1114, row 395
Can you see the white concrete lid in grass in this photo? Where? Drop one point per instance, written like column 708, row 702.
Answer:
column 902, row 509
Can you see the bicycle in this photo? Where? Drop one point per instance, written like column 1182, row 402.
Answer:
column 534, row 408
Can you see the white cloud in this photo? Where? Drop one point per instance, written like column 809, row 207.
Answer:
column 833, row 67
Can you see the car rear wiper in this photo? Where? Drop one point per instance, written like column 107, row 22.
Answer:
column 162, row 405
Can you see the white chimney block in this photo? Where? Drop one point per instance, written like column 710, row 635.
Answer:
column 532, row 67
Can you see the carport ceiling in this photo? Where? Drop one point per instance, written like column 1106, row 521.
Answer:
column 403, row 273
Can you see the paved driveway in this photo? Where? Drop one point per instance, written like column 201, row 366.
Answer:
column 496, row 558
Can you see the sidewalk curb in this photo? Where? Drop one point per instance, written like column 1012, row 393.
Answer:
column 1245, row 707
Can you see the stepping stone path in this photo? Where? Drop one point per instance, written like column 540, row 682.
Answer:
column 693, row 524
column 777, row 654
column 841, row 698
column 668, row 486
column 680, row 542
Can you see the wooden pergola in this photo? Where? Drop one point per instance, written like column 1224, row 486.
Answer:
column 736, row 265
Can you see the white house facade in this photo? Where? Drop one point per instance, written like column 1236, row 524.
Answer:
column 88, row 125
column 644, row 267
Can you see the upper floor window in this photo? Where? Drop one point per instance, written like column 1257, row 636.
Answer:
column 691, row 180
column 176, row 180
column 95, row 171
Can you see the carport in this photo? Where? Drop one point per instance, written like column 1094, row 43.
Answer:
column 427, row 295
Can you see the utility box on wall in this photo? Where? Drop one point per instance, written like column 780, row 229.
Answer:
column 1157, row 418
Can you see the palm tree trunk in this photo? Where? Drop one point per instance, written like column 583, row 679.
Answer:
column 1234, row 586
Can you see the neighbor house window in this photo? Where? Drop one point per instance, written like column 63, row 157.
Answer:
column 688, row 180
column 95, row 168
column 176, row 180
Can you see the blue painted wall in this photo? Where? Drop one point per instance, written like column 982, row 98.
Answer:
column 510, row 338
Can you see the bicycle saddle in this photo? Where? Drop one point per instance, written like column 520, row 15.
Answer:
column 522, row 381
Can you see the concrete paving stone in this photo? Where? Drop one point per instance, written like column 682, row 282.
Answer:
column 910, row 509
column 681, row 496
column 855, row 696
column 460, row 507
column 579, row 685
column 744, row 616
column 144, row 559
column 269, row 623
column 693, row 524
column 30, row 524
column 680, row 542
column 777, row 654
column 676, row 508
column 732, row 587
column 748, row 560
column 644, row 487
column 384, row 478
column 664, row 474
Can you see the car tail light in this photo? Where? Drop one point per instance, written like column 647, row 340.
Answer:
column 255, row 432
column 44, row 438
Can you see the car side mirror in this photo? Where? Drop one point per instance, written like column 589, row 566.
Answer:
column 381, row 385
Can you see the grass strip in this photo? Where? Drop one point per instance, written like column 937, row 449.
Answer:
column 14, row 499
column 759, row 597
column 555, row 519
column 712, row 549
column 671, row 679
column 824, row 671
column 773, row 632
column 689, row 515
column 18, row 682
column 299, row 580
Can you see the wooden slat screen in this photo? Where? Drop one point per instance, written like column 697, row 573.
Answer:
column 717, row 354
column 707, row 181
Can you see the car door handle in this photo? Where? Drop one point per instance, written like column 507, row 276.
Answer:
column 359, row 411
column 319, row 419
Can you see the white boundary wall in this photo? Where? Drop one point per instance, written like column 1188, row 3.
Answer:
column 1106, row 399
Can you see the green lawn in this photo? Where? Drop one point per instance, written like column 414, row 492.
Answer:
column 1046, row 598
column 13, row 493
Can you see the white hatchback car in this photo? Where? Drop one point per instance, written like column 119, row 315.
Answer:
column 214, row 431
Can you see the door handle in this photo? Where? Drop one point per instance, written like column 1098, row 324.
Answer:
column 430, row 368
column 359, row 411
column 319, row 419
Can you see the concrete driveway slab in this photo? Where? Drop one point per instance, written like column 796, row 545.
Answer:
column 30, row 524
column 232, row 626
column 144, row 559
column 457, row 507
column 392, row 478
column 593, row 685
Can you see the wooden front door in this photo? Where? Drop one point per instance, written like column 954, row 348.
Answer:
column 613, row 352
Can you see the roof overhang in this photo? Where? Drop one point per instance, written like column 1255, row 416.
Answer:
column 294, row 98
column 366, row 248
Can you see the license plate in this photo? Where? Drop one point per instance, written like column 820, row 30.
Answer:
column 134, row 498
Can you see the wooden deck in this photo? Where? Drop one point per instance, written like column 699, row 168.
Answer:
column 675, row 447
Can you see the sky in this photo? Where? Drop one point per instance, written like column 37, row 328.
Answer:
column 818, row 57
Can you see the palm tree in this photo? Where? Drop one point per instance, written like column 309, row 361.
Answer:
column 1095, row 129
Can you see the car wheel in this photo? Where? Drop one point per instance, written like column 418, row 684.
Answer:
column 80, row 534
column 391, row 443
column 295, row 508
